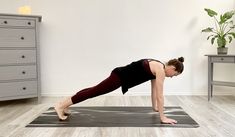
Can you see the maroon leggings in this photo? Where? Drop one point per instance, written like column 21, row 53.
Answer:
column 109, row 84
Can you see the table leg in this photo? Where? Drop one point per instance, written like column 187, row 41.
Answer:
column 210, row 78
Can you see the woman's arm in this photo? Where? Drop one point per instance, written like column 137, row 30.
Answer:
column 154, row 95
column 157, row 94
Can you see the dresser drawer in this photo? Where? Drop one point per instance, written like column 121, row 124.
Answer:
column 17, row 72
column 16, row 22
column 18, row 88
column 17, row 56
column 17, row 37
column 223, row 59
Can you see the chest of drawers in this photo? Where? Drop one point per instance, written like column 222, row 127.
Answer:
column 19, row 57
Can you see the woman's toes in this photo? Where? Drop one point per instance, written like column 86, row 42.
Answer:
column 60, row 113
column 63, row 118
column 66, row 112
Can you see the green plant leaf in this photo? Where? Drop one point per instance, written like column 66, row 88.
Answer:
column 210, row 12
column 232, row 33
column 212, row 40
column 230, row 39
column 228, row 15
column 221, row 41
column 209, row 37
column 208, row 30
column 232, row 27
column 222, row 19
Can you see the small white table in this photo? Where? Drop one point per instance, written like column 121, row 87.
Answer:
column 217, row 59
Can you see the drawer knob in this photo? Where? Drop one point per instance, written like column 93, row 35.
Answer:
column 5, row 22
column 23, row 72
column 23, row 56
column 22, row 38
column 29, row 23
column 24, row 88
column 222, row 58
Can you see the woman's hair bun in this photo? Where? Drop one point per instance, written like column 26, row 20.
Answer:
column 181, row 59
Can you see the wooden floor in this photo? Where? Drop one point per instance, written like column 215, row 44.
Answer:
column 216, row 118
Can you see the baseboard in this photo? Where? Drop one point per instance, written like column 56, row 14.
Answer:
column 133, row 93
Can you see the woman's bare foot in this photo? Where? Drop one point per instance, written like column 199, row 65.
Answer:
column 66, row 112
column 60, row 112
column 62, row 107
column 156, row 109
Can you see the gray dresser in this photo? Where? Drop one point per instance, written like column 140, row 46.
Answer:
column 19, row 57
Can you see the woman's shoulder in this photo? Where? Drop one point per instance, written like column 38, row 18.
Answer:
column 156, row 67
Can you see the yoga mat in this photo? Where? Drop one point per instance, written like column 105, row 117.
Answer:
column 113, row 116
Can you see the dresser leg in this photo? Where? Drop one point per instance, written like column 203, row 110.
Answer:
column 39, row 99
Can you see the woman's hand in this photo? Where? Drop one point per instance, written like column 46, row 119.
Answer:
column 168, row 120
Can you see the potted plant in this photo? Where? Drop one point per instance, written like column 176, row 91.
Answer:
column 222, row 31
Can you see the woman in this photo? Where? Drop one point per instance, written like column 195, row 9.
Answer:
column 129, row 76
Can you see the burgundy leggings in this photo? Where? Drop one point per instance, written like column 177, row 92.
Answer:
column 109, row 84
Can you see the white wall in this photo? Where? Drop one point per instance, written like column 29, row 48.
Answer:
column 83, row 40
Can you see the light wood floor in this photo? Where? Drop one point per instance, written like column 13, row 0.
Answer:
column 216, row 118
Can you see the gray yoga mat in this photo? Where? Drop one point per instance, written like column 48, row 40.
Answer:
column 114, row 117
